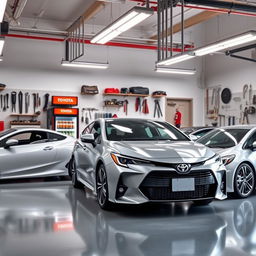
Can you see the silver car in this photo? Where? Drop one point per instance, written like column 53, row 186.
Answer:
column 30, row 153
column 237, row 148
column 133, row 161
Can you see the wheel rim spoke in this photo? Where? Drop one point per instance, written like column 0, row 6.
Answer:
column 245, row 180
column 102, row 186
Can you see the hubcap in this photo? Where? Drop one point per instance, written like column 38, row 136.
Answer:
column 102, row 186
column 245, row 180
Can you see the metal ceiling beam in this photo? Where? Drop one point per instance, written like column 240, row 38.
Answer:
column 93, row 9
column 194, row 20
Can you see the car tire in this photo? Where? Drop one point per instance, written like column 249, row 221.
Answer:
column 244, row 181
column 102, row 188
column 203, row 202
column 76, row 183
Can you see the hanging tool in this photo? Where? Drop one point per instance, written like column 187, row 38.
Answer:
column 46, row 101
column 82, row 118
column 138, row 104
column 27, row 102
column 126, row 107
column 222, row 120
column 145, row 108
column 20, row 98
column 250, row 94
column 245, row 116
column 13, row 100
column 4, row 108
column 245, row 89
column 34, row 102
column 86, row 118
column 7, row 100
column 157, row 109
column 1, row 98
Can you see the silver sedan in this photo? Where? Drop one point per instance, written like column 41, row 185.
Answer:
column 133, row 161
column 237, row 147
column 30, row 153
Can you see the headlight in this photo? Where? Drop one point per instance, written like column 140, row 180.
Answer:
column 214, row 159
column 227, row 159
column 125, row 161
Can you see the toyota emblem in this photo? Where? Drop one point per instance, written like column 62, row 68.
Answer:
column 183, row 168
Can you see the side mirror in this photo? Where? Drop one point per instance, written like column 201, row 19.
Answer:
column 193, row 137
column 253, row 145
column 87, row 138
column 10, row 143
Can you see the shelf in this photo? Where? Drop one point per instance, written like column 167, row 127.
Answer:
column 158, row 96
column 64, row 130
column 25, row 123
column 126, row 95
column 24, row 115
column 113, row 106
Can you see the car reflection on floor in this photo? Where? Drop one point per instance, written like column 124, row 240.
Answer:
column 55, row 219
column 148, row 230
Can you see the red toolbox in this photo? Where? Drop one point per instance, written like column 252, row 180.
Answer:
column 1, row 126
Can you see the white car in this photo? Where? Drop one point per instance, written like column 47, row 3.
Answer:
column 31, row 152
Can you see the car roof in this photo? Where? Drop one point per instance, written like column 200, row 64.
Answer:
column 238, row 127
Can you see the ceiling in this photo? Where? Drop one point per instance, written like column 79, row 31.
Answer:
column 55, row 16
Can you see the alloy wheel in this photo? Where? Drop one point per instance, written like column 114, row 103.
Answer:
column 245, row 180
column 102, row 186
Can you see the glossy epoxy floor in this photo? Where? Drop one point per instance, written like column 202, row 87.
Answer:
column 56, row 220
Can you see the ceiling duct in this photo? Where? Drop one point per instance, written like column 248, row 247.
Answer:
column 235, row 6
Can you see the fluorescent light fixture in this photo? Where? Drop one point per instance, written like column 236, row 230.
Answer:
column 1, row 46
column 81, row 64
column 227, row 43
column 128, row 20
column 2, row 9
column 175, row 59
column 175, row 71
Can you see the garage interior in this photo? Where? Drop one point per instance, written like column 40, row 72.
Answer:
column 51, row 51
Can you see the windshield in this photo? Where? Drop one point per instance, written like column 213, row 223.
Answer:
column 6, row 132
column 223, row 138
column 132, row 130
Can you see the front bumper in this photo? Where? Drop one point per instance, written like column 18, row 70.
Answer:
column 149, row 183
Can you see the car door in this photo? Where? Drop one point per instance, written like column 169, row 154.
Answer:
column 88, row 154
column 32, row 157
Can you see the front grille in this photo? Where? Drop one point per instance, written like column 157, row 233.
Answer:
column 158, row 185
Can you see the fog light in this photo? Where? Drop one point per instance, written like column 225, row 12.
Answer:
column 121, row 190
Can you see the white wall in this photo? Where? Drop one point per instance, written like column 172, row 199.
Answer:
column 35, row 65
column 224, row 70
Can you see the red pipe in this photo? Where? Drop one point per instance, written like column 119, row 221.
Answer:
column 126, row 45
column 201, row 8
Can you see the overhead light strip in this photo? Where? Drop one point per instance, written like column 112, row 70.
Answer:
column 2, row 9
column 176, row 59
column 122, row 24
column 175, row 71
column 227, row 43
column 80, row 64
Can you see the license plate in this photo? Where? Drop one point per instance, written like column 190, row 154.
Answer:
column 185, row 184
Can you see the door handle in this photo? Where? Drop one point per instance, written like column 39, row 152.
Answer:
column 48, row 148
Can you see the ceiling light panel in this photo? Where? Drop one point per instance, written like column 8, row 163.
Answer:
column 227, row 43
column 178, row 71
column 78, row 64
column 122, row 24
column 175, row 59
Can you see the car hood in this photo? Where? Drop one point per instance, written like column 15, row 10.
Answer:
column 163, row 151
column 224, row 151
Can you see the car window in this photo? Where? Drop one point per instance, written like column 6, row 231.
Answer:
column 88, row 128
column 23, row 138
column 6, row 132
column 55, row 137
column 96, row 131
column 201, row 133
column 250, row 140
column 223, row 138
column 38, row 137
column 126, row 130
